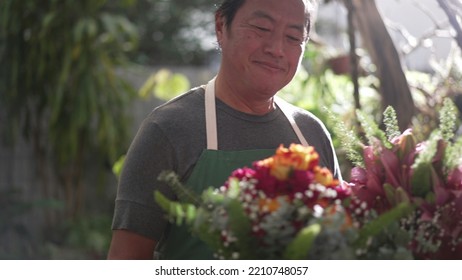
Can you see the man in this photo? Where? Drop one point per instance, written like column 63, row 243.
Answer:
column 209, row 131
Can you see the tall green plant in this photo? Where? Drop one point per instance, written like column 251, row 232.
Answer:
column 60, row 86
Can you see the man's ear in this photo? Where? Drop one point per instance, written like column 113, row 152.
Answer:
column 220, row 26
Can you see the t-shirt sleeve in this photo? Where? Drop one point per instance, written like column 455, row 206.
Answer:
column 135, row 208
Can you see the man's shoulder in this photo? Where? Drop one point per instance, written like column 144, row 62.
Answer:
column 299, row 113
column 181, row 114
column 190, row 100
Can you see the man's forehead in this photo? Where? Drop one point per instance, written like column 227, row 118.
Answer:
column 263, row 11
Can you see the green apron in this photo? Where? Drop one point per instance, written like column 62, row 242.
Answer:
column 213, row 169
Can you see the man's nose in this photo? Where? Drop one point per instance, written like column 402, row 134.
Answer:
column 274, row 44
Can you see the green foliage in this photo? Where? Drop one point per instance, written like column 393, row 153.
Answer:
column 240, row 225
column 350, row 143
column 118, row 165
column 298, row 248
column 60, row 80
column 61, row 85
column 445, row 132
column 18, row 241
column 90, row 236
column 316, row 87
column 453, row 154
column 184, row 195
column 390, row 121
column 371, row 129
column 179, row 212
column 164, row 85
column 376, row 226
column 172, row 31
column 448, row 118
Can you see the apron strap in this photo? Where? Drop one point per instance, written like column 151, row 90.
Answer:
column 211, row 118
column 284, row 106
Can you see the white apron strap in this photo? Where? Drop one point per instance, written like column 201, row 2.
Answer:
column 284, row 106
column 211, row 118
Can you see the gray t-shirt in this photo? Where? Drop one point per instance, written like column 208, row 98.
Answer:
column 173, row 137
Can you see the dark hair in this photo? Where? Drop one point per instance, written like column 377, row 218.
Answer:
column 228, row 10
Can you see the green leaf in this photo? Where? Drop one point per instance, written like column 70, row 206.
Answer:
column 110, row 24
column 117, row 167
column 203, row 230
column 374, row 227
column 148, row 86
column 169, row 87
column 210, row 195
column 190, row 213
column 48, row 19
column 299, row 247
column 181, row 213
column 421, row 180
column 163, row 201
column 402, row 196
column 390, row 193
column 79, row 30
column 176, row 211
column 240, row 225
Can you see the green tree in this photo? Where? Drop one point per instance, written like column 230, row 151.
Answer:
column 172, row 31
column 60, row 87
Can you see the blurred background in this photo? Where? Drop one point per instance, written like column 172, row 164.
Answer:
column 78, row 77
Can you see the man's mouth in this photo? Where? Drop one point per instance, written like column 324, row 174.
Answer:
column 270, row 66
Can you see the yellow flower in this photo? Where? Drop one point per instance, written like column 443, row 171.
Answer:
column 268, row 162
column 323, row 176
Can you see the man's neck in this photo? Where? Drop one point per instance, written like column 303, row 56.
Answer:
column 241, row 100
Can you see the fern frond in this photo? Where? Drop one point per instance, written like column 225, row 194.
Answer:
column 348, row 140
column 453, row 155
column 390, row 121
column 448, row 118
column 371, row 129
column 184, row 195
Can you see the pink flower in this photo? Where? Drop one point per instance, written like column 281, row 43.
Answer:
column 455, row 179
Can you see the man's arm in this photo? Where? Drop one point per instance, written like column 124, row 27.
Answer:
column 126, row 245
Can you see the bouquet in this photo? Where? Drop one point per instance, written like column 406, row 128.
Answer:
column 403, row 201
column 393, row 170
column 284, row 207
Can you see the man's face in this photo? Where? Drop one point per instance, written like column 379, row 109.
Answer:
column 263, row 46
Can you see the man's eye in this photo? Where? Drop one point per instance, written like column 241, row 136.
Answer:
column 294, row 39
column 261, row 28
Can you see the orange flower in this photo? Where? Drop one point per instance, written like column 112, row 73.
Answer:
column 331, row 211
column 296, row 157
column 270, row 204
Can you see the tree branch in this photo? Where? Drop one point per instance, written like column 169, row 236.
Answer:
column 452, row 16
